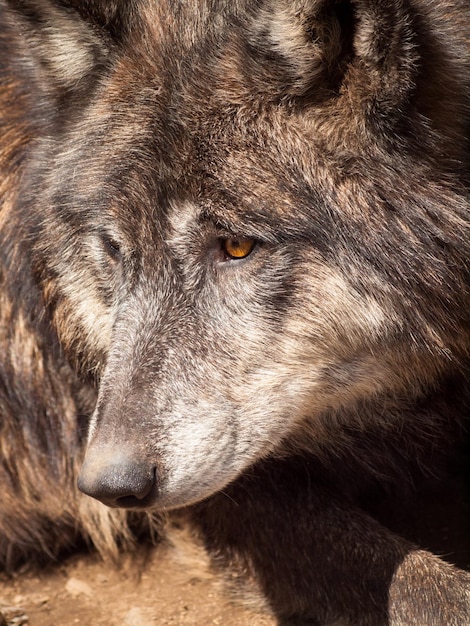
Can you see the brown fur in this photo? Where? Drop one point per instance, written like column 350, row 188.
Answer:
column 308, row 403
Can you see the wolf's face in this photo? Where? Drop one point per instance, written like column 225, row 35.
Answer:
column 224, row 322
column 232, row 237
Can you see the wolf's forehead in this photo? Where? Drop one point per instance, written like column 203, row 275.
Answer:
column 170, row 29
column 188, row 22
column 205, row 49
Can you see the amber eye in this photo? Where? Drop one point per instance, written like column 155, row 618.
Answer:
column 238, row 248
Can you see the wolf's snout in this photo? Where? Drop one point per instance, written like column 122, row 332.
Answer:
column 118, row 482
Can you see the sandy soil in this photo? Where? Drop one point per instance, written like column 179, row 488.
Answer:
column 170, row 585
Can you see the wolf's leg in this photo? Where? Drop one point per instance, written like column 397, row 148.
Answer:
column 320, row 560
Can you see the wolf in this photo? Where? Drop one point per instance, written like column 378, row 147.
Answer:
column 234, row 266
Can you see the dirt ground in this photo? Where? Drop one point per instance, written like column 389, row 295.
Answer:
column 170, row 585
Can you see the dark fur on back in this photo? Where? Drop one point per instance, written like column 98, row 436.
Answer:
column 303, row 402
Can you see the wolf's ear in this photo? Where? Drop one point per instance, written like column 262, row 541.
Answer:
column 328, row 47
column 60, row 50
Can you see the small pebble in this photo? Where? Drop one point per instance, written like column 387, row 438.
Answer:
column 134, row 617
column 76, row 587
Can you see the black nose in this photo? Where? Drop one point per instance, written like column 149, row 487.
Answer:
column 118, row 481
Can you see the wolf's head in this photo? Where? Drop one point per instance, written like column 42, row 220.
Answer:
column 244, row 224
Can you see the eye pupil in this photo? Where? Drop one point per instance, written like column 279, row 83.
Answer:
column 238, row 248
